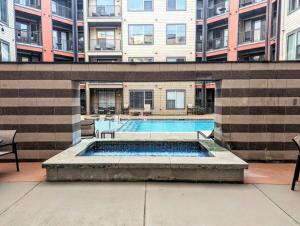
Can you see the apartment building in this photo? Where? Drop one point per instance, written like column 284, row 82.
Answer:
column 244, row 30
column 7, row 32
column 290, row 30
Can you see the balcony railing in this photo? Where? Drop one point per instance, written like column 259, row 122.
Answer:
column 200, row 14
column 61, row 10
column 64, row 45
column 199, row 46
column 217, row 43
column 30, row 38
column 218, row 9
column 255, row 35
column 104, row 11
column 104, row 44
column 80, row 14
column 29, row 3
column 244, row 3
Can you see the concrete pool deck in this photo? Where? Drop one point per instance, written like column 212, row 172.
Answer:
column 68, row 166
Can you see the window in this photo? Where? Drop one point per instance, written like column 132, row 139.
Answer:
column 176, row 34
column 175, row 59
column 175, row 99
column 140, row 59
column 140, row 5
column 4, row 51
column 140, row 34
column 138, row 98
column 293, row 46
column 292, row 5
column 173, row 5
column 3, row 11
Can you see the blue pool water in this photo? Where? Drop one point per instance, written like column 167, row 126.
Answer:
column 156, row 125
column 146, row 148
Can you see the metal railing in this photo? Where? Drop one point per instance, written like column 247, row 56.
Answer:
column 80, row 14
column 29, row 3
column 218, row 9
column 61, row 10
column 244, row 3
column 104, row 44
column 255, row 35
column 199, row 46
column 64, row 45
column 104, row 11
column 28, row 37
column 200, row 13
column 217, row 43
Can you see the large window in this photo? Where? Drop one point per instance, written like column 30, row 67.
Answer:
column 174, row 5
column 293, row 5
column 175, row 59
column 140, row 59
column 138, row 98
column 175, row 99
column 140, row 5
column 140, row 34
column 176, row 34
column 293, row 46
column 4, row 51
column 3, row 11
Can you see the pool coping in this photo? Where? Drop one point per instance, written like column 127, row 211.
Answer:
column 64, row 165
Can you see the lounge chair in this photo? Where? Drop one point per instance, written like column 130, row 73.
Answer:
column 209, row 135
column 8, row 144
column 297, row 168
column 147, row 109
column 87, row 129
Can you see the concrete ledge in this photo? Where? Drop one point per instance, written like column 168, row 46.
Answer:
column 222, row 167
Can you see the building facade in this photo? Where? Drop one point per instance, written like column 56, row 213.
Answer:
column 144, row 30
column 290, row 30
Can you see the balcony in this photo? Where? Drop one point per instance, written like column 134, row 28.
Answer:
column 244, row 3
column 36, row 4
column 218, row 9
column 199, row 46
column 80, row 14
column 217, row 43
column 104, row 44
column 61, row 10
column 63, row 45
column 104, row 11
column 252, row 36
column 28, row 38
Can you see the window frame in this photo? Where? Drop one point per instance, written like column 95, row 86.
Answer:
column 144, row 91
column 183, row 57
column 8, row 45
column 5, row 21
column 295, row 44
column 130, row 58
column 297, row 6
column 185, row 6
column 176, row 90
column 176, row 34
column 152, row 25
column 132, row 10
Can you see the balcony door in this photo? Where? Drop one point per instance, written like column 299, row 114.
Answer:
column 106, row 39
column 257, row 25
column 60, row 40
column 106, row 7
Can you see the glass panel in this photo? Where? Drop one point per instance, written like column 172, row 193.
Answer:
column 140, row 34
column 175, row 34
column 148, row 5
column 181, row 4
column 135, row 5
column 3, row 10
column 171, row 4
column 136, row 99
column 171, row 95
column 179, row 99
column 4, row 52
column 291, row 47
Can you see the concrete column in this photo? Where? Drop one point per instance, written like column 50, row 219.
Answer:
column 87, row 99
column 233, row 29
column 48, row 55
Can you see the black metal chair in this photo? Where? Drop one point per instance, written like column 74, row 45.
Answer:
column 297, row 168
column 8, row 144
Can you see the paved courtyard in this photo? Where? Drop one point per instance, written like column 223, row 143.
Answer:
column 265, row 199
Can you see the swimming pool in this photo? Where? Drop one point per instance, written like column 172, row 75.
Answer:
column 156, row 125
column 146, row 148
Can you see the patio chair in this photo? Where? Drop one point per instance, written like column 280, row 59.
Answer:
column 8, row 144
column 147, row 109
column 87, row 129
column 297, row 168
column 101, row 110
column 112, row 110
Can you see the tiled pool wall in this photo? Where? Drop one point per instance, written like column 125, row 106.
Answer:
column 257, row 104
